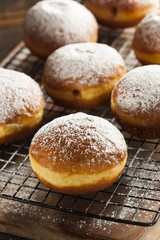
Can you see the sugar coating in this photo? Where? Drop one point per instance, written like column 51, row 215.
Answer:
column 19, row 94
column 128, row 4
column 84, row 140
column 83, row 64
column 60, row 21
column 139, row 90
column 148, row 33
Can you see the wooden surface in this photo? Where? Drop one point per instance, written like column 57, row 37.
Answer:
column 12, row 13
column 13, row 10
column 45, row 224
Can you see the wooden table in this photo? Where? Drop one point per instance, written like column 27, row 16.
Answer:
column 40, row 223
column 11, row 17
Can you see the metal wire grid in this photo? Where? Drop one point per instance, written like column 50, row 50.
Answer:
column 133, row 199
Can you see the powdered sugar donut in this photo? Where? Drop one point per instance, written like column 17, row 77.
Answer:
column 123, row 13
column 78, row 154
column 146, row 42
column 135, row 101
column 51, row 24
column 21, row 105
column 82, row 75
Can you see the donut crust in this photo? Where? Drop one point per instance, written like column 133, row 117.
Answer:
column 83, row 87
column 86, row 98
column 137, row 127
column 141, row 117
column 83, row 183
column 16, row 130
column 21, row 103
column 76, row 155
column 120, row 14
column 146, row 43
column 48, row 26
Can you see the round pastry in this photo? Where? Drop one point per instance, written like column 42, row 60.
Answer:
column 135, row 101
column 51, row 24
column 82, row 75
column 21, row 105
column 123, row 13
column 78, row 154
column 146, row 41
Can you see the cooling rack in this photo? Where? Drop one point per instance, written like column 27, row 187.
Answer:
column 133, row 199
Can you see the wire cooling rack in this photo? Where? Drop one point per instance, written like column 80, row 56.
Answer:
column 133, row 199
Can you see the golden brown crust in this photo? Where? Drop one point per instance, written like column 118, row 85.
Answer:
column 21, row 104
column 24, row 115
column 78, row 99
column 20, row 133
column 129, row 5
column 55, row 145
column 44, row 157
column 141, row 131
column 143, row 116
column 78, row 154
column 81, row 189
column 141, row 126
column 135, row 102
column 120, row 24
column 147, row 58
column 146, row 41
column 82, row 76
column 20, row 97
column 146, row 37
column 49, row 26
column 16, row 130
column 37, row 46
column 121, row 13
column 49, row 78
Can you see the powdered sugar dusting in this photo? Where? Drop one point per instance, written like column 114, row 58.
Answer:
column 60, row 21
column 83, row 64
column 87, row 141
column 147, row 35
column 19, row 94
column 139, row 90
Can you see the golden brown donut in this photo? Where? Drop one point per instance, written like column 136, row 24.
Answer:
column 21, row 105
column 135, row 101
column 78, row 154
column 82, row 75
column 146, row 41
column 122, row 13
column 51, row 24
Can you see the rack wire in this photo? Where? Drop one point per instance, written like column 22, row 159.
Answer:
column 133, row 199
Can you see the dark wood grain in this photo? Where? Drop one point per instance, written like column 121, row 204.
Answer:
column 11, row 9
column 39, row 223
column 12, row 13
column 10, row 35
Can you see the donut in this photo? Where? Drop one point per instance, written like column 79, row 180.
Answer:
column 123, row 13
column 51, row 24
column 78, row 154
column 135, row 101
column 82, row 75
column 146, row 41
column 21, row 105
